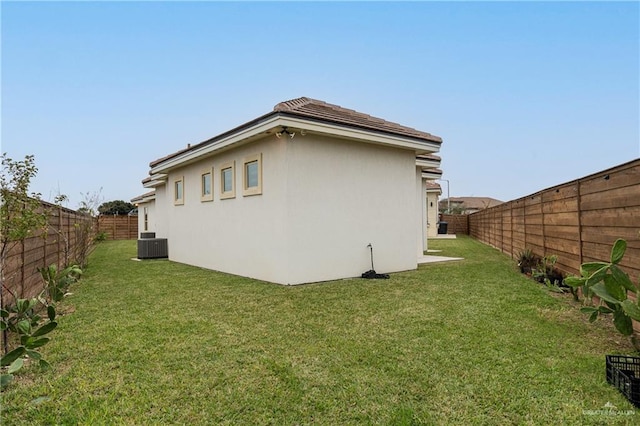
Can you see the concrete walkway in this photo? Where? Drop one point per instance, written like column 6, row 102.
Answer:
column 443, row 237
column 434, row 259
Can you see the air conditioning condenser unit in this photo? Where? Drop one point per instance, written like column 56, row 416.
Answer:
column 153, row 248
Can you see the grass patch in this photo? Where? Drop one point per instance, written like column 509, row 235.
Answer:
column 467, row 342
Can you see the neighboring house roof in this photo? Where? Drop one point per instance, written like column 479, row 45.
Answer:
column 472, row 203
column 309, row 115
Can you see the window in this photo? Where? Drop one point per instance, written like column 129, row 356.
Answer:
column 178, row 186
column 146, row 218
column 227, row 188
column 252, row 175
column 206, row 187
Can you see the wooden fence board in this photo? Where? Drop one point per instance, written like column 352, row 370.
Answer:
column 625, row 196
column 607, row 235
column 554, row 245
column 561, row 206
column 562, row 192
column 621, row 217
column 626, row 176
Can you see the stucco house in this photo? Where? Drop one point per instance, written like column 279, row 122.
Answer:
column 296, row 196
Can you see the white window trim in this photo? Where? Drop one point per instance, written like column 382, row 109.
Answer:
column 178, row 201
column 254, row 190
column 206, row 197
column 229, row 194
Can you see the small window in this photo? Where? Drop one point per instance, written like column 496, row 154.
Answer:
column 227, row 187
column 206, row 186
column 178, row 186
column 252, row 175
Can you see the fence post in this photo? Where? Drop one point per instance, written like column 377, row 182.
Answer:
column 60, row 231
column 579, row 213
column 544, row 237
column 511, row 214
column 45, row 237
column 524, row 222
column 22, row 268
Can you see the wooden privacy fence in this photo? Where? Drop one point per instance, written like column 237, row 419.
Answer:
column 578, row 221
column 118, row 227
column 67, row 237
column 456, row 223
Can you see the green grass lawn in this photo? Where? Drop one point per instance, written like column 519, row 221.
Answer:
column 466, row 342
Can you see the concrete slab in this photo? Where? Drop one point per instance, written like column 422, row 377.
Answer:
column 443, row 237
column 435, row 259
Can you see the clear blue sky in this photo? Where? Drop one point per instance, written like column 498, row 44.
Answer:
column 525, row 95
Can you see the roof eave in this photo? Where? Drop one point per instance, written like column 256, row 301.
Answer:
column 431, row 173
column 268, row 122
column 427, row 163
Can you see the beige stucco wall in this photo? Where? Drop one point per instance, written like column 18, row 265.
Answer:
column 241, row 235
column 323, row 200
column 341, row 196
column 151, row 216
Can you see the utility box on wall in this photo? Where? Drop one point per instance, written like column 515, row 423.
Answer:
column 153, row 248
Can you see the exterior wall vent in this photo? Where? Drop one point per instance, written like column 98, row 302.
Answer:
column 153, row 248
column 145, row 235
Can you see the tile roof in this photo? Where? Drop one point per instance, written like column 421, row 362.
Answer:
column 432, row 185
column 313, row 108
column 321, row 111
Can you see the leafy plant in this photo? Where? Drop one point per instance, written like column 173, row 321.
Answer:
column 612, row 286
column 546, row 273
column 101, row 236
column 57, row 282
column 527, row 260
column 23, row 320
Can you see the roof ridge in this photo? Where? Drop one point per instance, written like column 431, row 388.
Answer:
column 304, row 106
column 292, row 104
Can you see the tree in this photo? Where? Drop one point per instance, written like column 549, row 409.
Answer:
column 91, row 202
column 87, row 228
column 117, row 207
column 20, row 212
